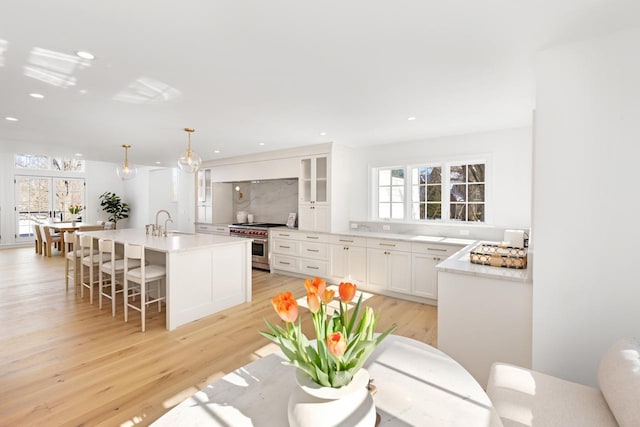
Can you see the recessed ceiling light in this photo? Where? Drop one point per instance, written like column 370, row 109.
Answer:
column 158, row 163
column 78, row 154
column 84, row 54
column 411, row 118
column 83, row 91
column 323, row 133
column 11, row 119
column 216, row 151
column 36, row 95
column 261, row 143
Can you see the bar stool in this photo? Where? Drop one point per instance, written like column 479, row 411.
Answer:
column 141, row 276
column 89, row 262
column 114, row 268
column 72, row 258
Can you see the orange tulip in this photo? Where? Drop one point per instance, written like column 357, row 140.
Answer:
column 347, row 291
column 328, row 295
column 286, row 306
column 336, row 344
column 313, row 302
column 315, row 286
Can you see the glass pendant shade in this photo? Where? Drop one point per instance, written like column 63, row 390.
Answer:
column 125, row 171
column 189, row 161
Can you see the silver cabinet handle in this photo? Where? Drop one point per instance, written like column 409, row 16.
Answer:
column 313, row 250
column 437, row 249
column 313, row 237
column 285, row 263
column 313, row 268
column 284, row 247
column 393, row 245
column 346, row 241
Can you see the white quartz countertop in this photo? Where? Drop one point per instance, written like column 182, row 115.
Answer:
column 174, row 242
column 395, row 236
column 460, row 263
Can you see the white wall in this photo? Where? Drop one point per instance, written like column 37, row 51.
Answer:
column 509, row 154
column 174, row 191
column 586, row 290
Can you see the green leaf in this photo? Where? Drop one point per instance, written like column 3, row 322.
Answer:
column 341, row 378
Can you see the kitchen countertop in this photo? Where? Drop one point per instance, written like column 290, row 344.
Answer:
column 460, row 263
column 175, row 241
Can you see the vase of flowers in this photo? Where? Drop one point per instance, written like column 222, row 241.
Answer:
column 333, row 387
column 74, row 210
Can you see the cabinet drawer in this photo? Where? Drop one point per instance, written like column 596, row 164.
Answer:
column 314, row 250
column 397, row 245
column 283, row 262
column 434, row 249
column 212, row 229
column 284, row 246
column 283, row 234
column 313, row 267
column 314, row 237
column 347, row 240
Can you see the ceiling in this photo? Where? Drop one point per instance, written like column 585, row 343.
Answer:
column 273, row 72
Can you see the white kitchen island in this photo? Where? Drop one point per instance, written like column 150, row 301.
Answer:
column 205, row 273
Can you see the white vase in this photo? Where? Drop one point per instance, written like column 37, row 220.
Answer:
column 311, row 405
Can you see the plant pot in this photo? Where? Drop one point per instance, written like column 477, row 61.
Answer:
column 311, row 405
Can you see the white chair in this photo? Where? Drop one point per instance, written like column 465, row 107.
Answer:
column 141, row 276
column 90, row 262
column 113, row 267
column 48, row 239
column 72, row 258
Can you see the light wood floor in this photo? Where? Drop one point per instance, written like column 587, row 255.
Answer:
column 65, row 362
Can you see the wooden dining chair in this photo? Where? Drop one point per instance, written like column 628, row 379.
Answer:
column 48, row 239
column 38, row 235
column 140, row 276
column 91, row 227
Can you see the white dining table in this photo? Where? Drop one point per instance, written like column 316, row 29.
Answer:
column 417, row 385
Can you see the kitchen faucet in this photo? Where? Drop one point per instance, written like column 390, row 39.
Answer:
column 157, row 226
column 165, row 226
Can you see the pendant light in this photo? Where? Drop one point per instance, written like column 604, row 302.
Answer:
column 125, row 171
column 189, row 161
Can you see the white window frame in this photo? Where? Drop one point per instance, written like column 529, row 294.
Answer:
column 446, row 191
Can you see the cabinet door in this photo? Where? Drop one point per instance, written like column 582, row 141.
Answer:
column 306, row 217
column 322, row 218
column 312, row 217
column 377, row 268
column 338, row 262
column 425, row 276
column 399, row 271
column 357, row 262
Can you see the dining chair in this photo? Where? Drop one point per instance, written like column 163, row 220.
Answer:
column 48, row 239
column 91, row 227
column 113, row 267
column 140, row 276
column 72, row 258
column 38, row 235
column 89, row 263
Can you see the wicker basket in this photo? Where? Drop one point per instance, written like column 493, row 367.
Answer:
column 499, row 256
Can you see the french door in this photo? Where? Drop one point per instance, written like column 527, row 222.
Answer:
column 40, row 198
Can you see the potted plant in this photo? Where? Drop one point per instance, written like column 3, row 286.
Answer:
column 112, row 204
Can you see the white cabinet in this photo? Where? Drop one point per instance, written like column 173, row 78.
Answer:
column 424, row 276
column 219, row 230
column 347, row 259
column 314, row 213
column 204, row 208
column 298, row 252
column 389, row 265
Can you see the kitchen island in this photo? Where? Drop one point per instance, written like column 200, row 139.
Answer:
column 484, row 313
column 205, row 273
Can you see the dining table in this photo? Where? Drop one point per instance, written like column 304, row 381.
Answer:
column 416, row 385
column 62, row 227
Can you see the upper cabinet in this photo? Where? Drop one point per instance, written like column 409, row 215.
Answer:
column 314, row 206
column 204, row 212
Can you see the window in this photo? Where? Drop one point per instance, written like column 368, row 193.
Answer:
column 391, row 186
column 30, row 161
column 426, row 192
column 467, row 198
column 448, row 192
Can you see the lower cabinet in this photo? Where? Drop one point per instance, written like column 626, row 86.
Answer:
column 389, row 269
column 347, row 262
column 424, row 275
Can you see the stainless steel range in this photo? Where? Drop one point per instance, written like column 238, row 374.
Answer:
column 259, row 232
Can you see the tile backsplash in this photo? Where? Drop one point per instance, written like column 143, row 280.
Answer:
column 268, row 200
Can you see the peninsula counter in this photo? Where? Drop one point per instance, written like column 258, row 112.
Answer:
column 205, row 273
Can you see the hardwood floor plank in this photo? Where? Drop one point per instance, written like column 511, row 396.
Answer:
column 64, row 361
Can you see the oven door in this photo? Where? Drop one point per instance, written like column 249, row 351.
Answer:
column 259, row 253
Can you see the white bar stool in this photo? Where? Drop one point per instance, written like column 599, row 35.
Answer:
column 71, row 261
column 90, row 261
column 112, row 266
column 141, row 275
